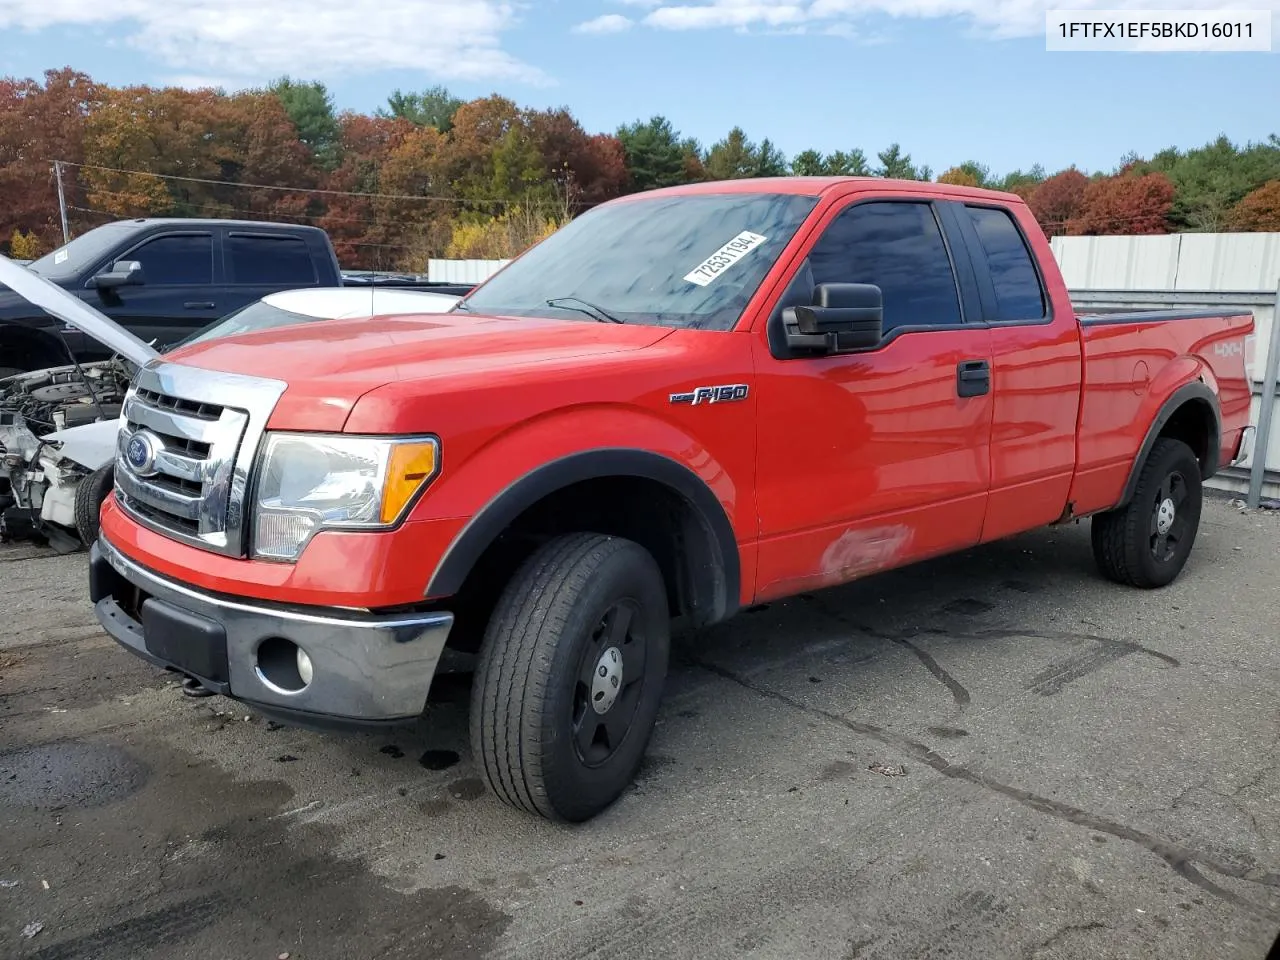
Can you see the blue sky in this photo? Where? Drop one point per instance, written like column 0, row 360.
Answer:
column 955, row 80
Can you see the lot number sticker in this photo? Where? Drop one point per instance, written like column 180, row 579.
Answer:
column 725, row 257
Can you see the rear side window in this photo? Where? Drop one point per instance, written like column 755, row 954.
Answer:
column 1018, row 292
column 280, row 261
column 176, row 260
column 898, row 247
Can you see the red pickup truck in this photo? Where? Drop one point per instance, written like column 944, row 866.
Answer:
column 683, row 403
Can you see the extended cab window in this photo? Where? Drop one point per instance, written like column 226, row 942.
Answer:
column 274, row 260
column 684, row 260
column 1018, row 292
column 899, row 248
column 175, row 260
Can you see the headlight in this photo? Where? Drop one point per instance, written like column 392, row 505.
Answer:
column 312, row 482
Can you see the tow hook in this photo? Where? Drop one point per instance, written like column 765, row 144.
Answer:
column 192, row 687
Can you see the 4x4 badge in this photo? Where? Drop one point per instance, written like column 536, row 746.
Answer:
column 725, row 393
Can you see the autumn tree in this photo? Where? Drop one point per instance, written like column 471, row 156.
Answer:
column 1058, row 200
column 1210, row 180
column 1127, row 204
column 585, row 169
column 361, row 237
column 492, row 158
column 24, row 246
column 1259, row 210
column 958, row 178
column 1024, row 189
column 41, row 122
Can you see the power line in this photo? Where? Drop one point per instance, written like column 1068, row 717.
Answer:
column 1045, row 225
column 339, row 241
column 313, row 190
column 306, row 219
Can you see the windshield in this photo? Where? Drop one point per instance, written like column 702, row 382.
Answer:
column 259, row 315
column 685, row 260
column 69, row 260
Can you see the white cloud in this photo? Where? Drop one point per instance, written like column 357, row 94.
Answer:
column 247, row 41
column 999, row 18
column 609, row 23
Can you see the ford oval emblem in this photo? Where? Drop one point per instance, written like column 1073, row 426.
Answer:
column 141, row 452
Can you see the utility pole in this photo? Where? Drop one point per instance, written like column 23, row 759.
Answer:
column 62, row 201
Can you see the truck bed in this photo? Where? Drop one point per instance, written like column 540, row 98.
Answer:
column 1131, row 363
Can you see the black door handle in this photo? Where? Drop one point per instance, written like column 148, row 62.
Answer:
column 973, row 378
column 199, row 304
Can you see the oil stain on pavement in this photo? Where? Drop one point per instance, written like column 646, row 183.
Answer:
column 199, row 865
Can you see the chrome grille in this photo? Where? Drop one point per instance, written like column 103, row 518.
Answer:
column 186, row 446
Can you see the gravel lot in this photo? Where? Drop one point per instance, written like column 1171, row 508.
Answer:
column 991, row 755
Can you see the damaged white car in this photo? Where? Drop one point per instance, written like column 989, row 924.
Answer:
column 57, row 440
column 58, row 426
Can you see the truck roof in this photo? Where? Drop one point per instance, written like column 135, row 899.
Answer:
column 211, row 221
column 816, row 186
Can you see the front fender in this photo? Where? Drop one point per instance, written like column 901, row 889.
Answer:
column 537, row 457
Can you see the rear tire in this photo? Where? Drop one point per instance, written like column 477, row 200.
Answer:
column 570, row 676
column 90, row 493
column 1147, row 542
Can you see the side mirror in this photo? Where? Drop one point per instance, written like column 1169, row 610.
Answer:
column 123, row 273
column 842, row 317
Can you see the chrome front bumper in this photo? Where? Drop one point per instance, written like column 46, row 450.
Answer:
column 365, row 667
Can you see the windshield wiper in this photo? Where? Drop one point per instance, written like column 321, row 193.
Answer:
column 590, row 309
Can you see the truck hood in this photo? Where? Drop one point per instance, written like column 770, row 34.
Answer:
column 329, row 366
column 72, row 310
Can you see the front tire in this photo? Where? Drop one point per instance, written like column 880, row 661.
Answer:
column 90, row 494
column 570, row 676
column 1147, row 542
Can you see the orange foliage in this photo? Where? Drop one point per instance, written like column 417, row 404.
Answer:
column 1125, row 205
column 1259, row 210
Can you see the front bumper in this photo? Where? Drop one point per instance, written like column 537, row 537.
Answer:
column 365, row 667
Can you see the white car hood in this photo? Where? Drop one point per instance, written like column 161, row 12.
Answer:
column 91, row 445
column 70, row 309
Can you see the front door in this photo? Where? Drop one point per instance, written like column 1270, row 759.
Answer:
column 873, row 459
column 177, row 295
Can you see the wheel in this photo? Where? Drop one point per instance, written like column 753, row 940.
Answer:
column 1146, row 543
column 92, row 490
column 570, row 675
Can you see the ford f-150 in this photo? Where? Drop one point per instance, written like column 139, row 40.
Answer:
column 682, row 403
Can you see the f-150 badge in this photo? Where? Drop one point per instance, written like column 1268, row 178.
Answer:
column 724, row 393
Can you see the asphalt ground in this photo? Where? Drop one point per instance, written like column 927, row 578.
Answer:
column 996, row 754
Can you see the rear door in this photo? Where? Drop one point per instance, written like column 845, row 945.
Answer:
column 870, row 460
column 1035, row 358
column 259, row 263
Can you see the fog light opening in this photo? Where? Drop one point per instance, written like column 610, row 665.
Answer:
column 283, row 665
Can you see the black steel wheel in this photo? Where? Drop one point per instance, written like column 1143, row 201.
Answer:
column 570, row 676
column 1147, row 542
